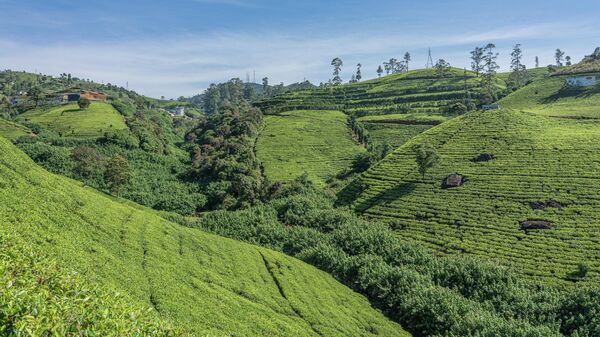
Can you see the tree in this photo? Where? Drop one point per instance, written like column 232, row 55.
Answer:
column 488, row 80
column 358, row 72
column 117, row 174
column 568, row 61
column 537, row 62
column 441, row 68
column 391, row 66
column 89, row 163
column 518, row 70
column 379, row 71
column 337, row 68
column 407, row 59
column 426, row 157
column 36, row 95
column 558, row 56
column 265, row 85
column 477, row 60
column 83, row 103
column 353, row 79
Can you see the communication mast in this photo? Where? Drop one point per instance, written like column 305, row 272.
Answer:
column 429, row 60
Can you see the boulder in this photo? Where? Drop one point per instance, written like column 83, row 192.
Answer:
column 454, row 180
column 539, row 205
column 536, row 224
column 483, row 157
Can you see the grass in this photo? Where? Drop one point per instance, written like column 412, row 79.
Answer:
column 539, row 156
column 204, row 284
column 316, row 142
column 12, row 130
column 70, row 121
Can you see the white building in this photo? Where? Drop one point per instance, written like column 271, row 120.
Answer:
column 581, row 81
column 180, row 111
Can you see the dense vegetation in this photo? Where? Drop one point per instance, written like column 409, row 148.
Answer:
column 429, row 295
column 205, row 284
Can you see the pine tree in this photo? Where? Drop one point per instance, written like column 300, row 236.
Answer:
column 337, row 68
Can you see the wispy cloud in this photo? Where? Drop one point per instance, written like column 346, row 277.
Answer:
column 186, row 65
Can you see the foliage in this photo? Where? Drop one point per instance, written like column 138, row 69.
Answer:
column 426, row 157
column 83, row 103
column 223, row 157
column 41, row 298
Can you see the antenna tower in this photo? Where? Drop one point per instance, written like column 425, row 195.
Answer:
column 429, row 60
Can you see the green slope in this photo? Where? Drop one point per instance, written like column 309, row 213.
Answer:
column 12, row 130
column 205, row 284
column 316, row 142
column 540, row 156
column 69, row 120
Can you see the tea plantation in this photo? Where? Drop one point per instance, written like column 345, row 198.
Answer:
column 537, row 159
column 316, row 142
column 12, row 130
column 203, row 284
column 70, row 121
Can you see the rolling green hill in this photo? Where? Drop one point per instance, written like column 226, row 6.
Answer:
column 68, row 120
column 204, row 284
column 316, row 142
column 12, row 130
column 545, row 165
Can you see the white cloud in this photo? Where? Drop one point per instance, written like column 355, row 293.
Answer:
column 187, row 64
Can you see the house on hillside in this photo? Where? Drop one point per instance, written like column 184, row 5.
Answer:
column 179, row 111
column 491, row 107
column 581, row 81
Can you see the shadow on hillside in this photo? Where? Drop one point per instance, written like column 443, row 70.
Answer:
column 396, row 192
column 570, row 92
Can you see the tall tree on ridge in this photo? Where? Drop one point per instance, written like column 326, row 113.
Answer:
column 358, row 72
column 568, row 60
column 337, row 68
column 407, row 59
column 379, row 71
column 558, row 56
column 477, row 60
column 518, row 69
column 537, row 62
column 489, row 76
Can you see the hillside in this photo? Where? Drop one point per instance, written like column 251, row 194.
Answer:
column 205, row 284
column 543, row 165
column 316, row 142
column 71, row 121
column 12, row 130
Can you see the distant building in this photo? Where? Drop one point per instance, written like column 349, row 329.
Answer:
column 179, row 111
column 491, row 107
column 581, row 81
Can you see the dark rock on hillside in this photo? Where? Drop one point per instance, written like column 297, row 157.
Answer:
column 539, row 205
column 483, row 157
column 454, row 180
column 536, row 224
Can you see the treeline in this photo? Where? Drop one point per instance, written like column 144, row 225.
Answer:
column 429, row 295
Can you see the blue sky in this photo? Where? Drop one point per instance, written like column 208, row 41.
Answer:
column 178, row 47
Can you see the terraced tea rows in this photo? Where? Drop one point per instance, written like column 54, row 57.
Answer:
column 397, row 129
column 204, row 284
column 417, row 91
column 70, row 121
column 535, row 158
column 316, row 142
